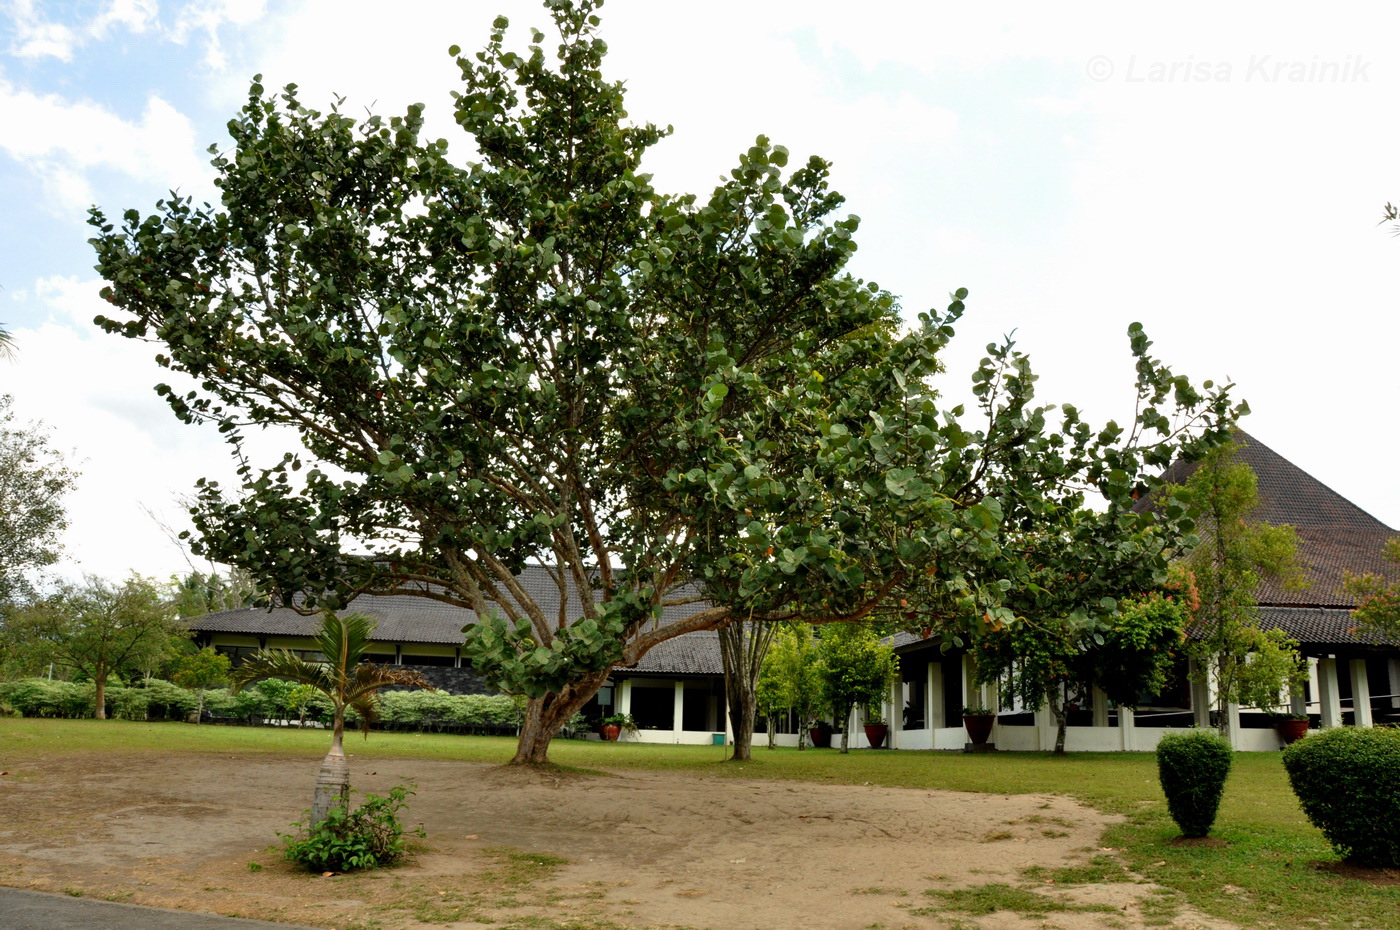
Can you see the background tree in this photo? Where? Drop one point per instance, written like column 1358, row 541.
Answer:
column 345, row 680
column 1244, row 664
column 1378, row 597
column 198, row 594
column 791, row 679
column 7, row 344
column 1076, row 567
column 856, row 667
column 96, row 629
column 1046, row 662
column 538, row 358
column 33, row 483
column 200, row 671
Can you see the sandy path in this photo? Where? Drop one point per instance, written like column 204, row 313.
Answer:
column 642, row 850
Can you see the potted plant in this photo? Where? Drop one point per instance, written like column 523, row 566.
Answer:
column 979, row 721
column 1291, row 727
column 611, row 727
column 820, row 732
column 876, row 730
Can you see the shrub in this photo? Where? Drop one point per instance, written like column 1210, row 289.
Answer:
column 1193, row 766
column 368, row 837
column 1348, row 782
column 413, row 709
column 40, row 697
column 130, row 703
column 168, row 701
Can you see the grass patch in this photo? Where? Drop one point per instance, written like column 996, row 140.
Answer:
column 1097, row 871
column 988, row 899
column 1262, row 877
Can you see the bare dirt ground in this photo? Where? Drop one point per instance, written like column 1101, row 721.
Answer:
column 511, row 849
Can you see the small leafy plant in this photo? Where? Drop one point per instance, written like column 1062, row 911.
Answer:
column 1193, row 766
column 1348, row 782
column 369, row 837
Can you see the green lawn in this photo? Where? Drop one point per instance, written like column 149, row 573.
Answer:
column 1263, row 877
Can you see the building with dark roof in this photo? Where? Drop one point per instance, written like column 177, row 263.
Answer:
column 676, row 692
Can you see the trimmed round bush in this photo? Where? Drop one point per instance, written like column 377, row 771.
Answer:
column 1193, row 766
column 1348, row 781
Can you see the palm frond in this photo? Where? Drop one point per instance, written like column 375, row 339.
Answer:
column 344, row 640
column 367, row 707
column 279, row 663
column 368, row 678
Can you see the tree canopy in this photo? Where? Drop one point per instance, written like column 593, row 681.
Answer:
column 1378, row 597
column 96, row 629
column 33, row 483
column 1245, row 664
column 537, row 357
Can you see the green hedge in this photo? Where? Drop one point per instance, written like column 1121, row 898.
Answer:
column 415, row 709
column 1348, row 782
column 40, row 697
column 268, row 699
column 1193, row 766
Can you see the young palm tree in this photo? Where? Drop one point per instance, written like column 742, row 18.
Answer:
column 344, row 680
column 7, row 344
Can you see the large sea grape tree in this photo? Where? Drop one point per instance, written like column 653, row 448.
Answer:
column 535, row 357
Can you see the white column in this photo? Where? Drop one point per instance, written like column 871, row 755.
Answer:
column 624, row 697
column 1232, row 721
column 894, row 712
column 1327, row 694
column 969, row 689
column 678, row 710
column 1127, row 729
column 1297, row 701
column 1360, row 693
column 1100, row 708
column 1200, row 693
column 1394, row 683
column 1045, row 729
column 936, row 706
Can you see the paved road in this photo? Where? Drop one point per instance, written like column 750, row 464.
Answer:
column 34, row 910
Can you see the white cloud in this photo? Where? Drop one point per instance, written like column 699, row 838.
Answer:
column 38, row 38
column 94, row 392
column 208, row 17
column 137, row 16
column 67, row 140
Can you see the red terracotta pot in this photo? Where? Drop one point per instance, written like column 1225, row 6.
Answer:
column 877, row 733
column 979, row 727
column 610, row 731
column 1292, row 730
column 821, row 739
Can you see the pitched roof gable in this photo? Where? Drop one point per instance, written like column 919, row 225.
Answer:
column 1333, row 533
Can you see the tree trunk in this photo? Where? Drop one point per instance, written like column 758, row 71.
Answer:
column 743, row 644
column 846, row 732
column 772, row 731
column 99, row 710
column 1224, row 684
column 544, row 716
column 333, row 780
column 1057, row 710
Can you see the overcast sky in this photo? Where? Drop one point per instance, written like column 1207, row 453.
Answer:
column 1215, row 172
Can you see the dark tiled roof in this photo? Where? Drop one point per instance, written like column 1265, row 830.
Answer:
column 407, row 618
column 1333, row 533
column 401, row 618
column 1319, row 626
column 691, row 654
